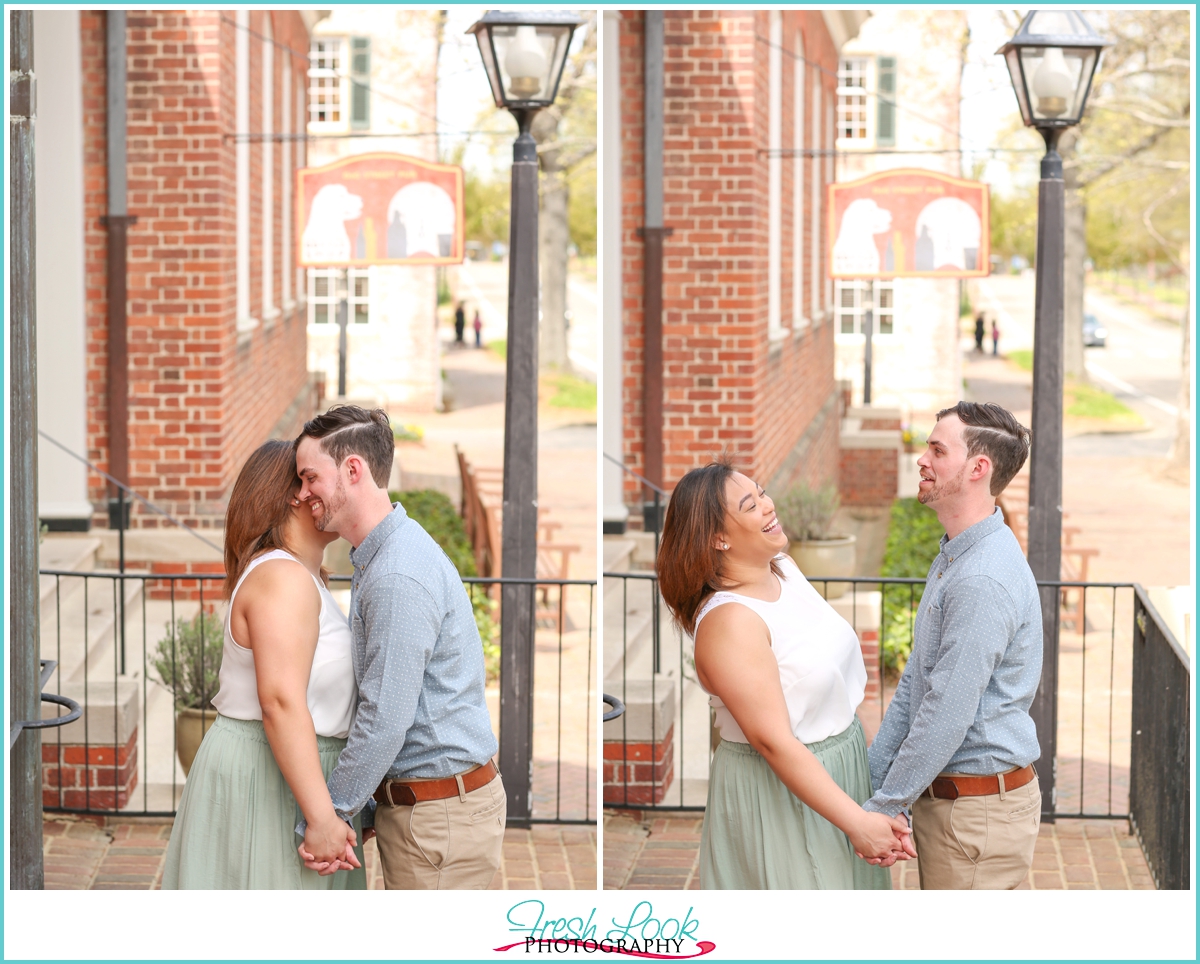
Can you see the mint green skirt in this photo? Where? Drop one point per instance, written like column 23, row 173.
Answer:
column 235, row 828
column 757, row 834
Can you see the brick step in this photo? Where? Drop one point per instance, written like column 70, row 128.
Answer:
column 79, row 631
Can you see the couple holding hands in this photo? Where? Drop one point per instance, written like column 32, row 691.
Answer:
column 337, row 730
column 796, row 800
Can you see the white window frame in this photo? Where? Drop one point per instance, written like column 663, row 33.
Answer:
column 775, row 180
column 330, row 300
column 855, row 311
column 855, row 75
column 245, row 321
column 333, row 51
column 799, row 319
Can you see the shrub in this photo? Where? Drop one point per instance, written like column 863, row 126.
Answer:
column 435, row 513
column 913, row 540
column 188, row 659
column 806, row 513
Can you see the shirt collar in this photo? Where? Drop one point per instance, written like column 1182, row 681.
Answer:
column 362, row 556
column 968, row 537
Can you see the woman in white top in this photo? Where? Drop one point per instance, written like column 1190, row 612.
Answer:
column 285, row 704
column 785, row 675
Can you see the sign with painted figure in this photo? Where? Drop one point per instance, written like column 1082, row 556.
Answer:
column 380, row 209
column 908, row 224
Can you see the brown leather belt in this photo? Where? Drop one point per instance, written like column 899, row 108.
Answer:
column 951, row 788
column 401, row 794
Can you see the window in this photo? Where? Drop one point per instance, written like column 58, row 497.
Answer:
column 885, row 126
column 360, row 82
column 851, row 307
column 324, row 84
column 852, row 99
column 323, row 296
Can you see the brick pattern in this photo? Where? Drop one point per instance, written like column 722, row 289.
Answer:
column 76, row 775
column 868, row 641
column 639, row 773
column 201, row 397
column 726, row 387
column 647, row 851
column 868, row 476
column 89, row 853
column 98, row 853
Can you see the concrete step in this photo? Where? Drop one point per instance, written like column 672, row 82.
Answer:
column 618, row 553
column 63, row 553
column 628, row 626
column 79, row 630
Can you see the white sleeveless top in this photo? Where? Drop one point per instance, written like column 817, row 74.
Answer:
column 332, row 691
column 820, row 662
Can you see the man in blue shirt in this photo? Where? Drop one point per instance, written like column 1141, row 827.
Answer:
column 421, row 743
column 957, row 744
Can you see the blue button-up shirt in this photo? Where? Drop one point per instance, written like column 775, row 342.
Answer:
column 962, row 704
column 418, row 661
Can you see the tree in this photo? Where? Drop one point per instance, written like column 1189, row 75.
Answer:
column 566, row 136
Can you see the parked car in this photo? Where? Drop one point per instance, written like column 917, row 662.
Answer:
column 1094, row 334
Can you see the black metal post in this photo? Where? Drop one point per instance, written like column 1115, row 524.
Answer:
column 25, row 764
column 519, row 539
column 1045, row 469
column 343, row 318
column 868, row 326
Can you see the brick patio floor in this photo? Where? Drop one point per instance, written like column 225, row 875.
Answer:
column 650, row 852
column 95, row 853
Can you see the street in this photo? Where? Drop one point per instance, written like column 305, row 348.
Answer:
column 484, row 285
column 1139, row 365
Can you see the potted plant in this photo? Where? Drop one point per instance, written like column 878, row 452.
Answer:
column 806, row 515
column 187, row 662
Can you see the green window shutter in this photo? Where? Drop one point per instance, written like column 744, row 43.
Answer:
column 360, row 81
column 885, row 127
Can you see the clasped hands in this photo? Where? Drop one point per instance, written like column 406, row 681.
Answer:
column 329, row 846
column 881, row 840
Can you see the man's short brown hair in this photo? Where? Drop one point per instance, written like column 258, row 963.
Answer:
column 350, row 430
column 993, row 431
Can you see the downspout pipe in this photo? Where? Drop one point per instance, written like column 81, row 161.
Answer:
column 117, row 222
column 652, row 233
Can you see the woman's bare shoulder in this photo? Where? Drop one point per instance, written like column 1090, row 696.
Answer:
column 278, row 580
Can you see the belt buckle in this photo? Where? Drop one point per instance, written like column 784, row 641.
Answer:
column 401, row 795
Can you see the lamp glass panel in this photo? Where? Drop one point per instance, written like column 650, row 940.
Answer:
column 529, row 60
column 1013, row 58
column 484, row 38
column 1057, row 79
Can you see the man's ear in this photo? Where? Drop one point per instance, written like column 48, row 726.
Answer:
column 355, row 468
column 982, row 468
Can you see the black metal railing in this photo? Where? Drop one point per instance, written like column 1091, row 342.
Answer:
column 120, row 758
column 1160, row 780
column 1101, row 673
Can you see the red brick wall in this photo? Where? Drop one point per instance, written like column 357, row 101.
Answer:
column 869, row 476
column 200, row 397
column 726, row 387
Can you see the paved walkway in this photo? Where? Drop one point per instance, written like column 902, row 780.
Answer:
column 645, row 851
column 92, row 853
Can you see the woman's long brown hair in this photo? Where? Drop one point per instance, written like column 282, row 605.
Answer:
column 689, row 563
column 259, row 507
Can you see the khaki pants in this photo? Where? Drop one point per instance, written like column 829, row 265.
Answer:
column 450, row 844
column 977, row 843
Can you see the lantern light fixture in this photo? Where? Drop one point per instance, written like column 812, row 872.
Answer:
column 1051, row 60
column 524, row 52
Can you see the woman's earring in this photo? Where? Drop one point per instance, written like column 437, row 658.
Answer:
column 295, row 501
column 724, row 545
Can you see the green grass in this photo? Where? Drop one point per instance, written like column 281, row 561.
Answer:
column 500, row 347
column 912, row 544
column 1022, row 358
column 573, row 392
column 1086, row 401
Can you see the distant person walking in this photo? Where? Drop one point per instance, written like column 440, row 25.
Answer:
column 995, row 339
column 460, row 322
column 979, row 333
column 477, row 324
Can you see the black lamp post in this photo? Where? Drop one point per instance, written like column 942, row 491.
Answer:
column 1051, row 59
column 524, row 53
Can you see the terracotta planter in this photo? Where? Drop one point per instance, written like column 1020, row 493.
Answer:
column 190, row 727
column 826, row 557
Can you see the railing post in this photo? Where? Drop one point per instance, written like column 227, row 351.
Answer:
column 25, row 765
